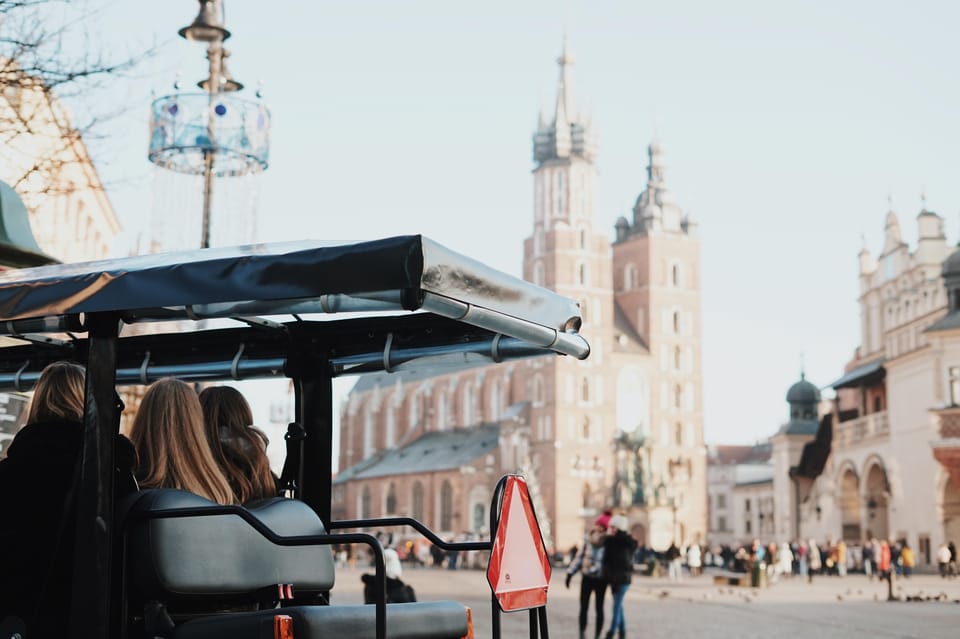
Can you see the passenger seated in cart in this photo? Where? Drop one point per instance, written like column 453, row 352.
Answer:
column 238, row 447
column 169, row 435
column 397, row 591
column 37, row 502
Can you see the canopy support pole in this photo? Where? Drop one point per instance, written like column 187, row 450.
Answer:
column 90, row 609
column 313, row 385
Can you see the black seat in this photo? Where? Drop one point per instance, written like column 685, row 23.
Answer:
column 209, row 564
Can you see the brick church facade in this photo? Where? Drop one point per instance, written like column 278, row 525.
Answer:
column 622, row 429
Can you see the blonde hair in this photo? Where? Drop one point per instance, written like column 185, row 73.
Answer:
column 58, row 394
column 169, row 436
column 239, row 448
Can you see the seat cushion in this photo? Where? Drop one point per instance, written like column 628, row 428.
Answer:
column 421, row 620
column 221, row 555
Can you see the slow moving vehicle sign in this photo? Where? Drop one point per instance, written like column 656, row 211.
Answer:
column 519, row 569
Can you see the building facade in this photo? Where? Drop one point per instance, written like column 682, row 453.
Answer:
column 46, row 162
column 622, row 429
column 881, row 464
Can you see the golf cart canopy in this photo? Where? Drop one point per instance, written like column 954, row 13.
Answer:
column 471, row 309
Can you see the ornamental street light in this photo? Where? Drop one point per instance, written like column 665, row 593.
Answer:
column 214, row 133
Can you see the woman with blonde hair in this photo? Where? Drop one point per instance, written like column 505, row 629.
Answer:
column 239, row 448
column 169, row 436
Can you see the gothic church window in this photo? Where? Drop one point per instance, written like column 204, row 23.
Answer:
column 446, row 506
column 468, row 415
column 365, row 503
column 418, row 501
column 391, row 505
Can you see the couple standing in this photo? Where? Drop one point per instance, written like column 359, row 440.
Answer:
column 605, row 559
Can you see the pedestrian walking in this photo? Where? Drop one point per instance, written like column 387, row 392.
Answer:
column 694, row 559
column 673, row 562
column 907, row 559
column 589, row 563
column 943, row 560
column 618, row 549
column 814, row 562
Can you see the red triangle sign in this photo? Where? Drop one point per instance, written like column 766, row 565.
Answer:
column 519, row 570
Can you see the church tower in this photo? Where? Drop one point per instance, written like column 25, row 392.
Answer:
column 571, row 424
column 656, row 279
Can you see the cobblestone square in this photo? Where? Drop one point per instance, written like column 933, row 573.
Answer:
column 831, row 607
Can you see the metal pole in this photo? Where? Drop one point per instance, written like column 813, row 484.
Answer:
column 215, row 57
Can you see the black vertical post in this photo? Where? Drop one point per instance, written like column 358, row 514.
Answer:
column 315, row 390
column 90, row 609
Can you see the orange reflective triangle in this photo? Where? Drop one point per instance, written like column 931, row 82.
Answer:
column 519, row 570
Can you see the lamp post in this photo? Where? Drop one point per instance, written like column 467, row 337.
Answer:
column 212, row 133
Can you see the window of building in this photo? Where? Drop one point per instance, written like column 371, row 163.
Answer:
column 417, row 500
column 391, row 499
column 391, row 419
column 538, row 391
column 677, row 358
column 629, row 277
column 721, row 502
column 479, row 517
column 721, row 523
column 538, row 274
column 748, row 526
column 746, row 505
column 585, row 428
column 446, row 506
column 677, row 396
column 585, row 390
column 365, row 503
column 583, row 239
column 582, row 274
column 675, row 275
column 468, row 416
column 678, row 434
column 954, row 385
column 676, row 322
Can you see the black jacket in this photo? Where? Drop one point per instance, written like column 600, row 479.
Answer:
column 618, row 550
column 35, row 480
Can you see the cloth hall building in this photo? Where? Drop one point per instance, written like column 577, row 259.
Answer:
column 622, row 429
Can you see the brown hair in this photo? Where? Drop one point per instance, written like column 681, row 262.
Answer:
column 58, row 394
column 168, row 435
column 239, row 449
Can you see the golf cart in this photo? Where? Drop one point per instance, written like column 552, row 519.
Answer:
column 166, row 563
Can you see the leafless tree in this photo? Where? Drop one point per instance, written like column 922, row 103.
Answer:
column 47, row 55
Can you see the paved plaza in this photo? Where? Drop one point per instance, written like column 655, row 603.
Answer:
column 831, row 607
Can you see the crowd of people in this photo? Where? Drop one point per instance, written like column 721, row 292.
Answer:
column 203, row 443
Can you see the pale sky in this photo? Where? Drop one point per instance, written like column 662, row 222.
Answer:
column 786, row 124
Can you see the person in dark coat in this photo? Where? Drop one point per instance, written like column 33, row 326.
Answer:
column 618, row 549
column 37, row 524
column 589, row 562
column 395, row 589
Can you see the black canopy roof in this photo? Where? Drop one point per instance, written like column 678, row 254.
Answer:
column 367, row 284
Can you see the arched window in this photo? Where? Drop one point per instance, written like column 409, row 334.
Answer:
column 365, row 503
column 367, row 433
column 479, row 517
column 629, row 277
column 443, row 411
column 675, row 275
column 446, row 506
column 468, row 416
column 391, row 418
column 676, row 322
column 417, row 501
column 391, row 505
column 583, row 274
column 583, row 239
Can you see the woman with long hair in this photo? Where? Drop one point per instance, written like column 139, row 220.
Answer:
column 239, row 448
column 169, row 436
column 38, row 520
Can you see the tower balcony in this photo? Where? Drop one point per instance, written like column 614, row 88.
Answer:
column 871, row 428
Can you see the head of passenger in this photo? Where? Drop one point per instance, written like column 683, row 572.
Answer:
column 169, row 437
column 58, row 394
column 239, row 448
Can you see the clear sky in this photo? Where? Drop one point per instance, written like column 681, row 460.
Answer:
column 787, row 125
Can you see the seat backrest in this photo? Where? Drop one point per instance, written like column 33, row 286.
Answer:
column 220, row 556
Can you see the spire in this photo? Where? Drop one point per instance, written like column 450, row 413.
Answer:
column 564, row 113
column 655, row 164
column 568, row 134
